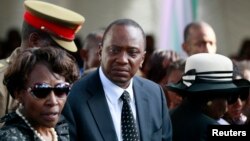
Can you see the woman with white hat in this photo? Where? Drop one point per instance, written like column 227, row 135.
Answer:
column 207, row 84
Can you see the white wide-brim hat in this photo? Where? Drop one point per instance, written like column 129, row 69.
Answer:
column 209, row 73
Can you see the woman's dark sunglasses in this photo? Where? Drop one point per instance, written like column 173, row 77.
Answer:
column 42, row 90
column 232, row 99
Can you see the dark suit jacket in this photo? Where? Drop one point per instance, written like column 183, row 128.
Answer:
column 90, row 120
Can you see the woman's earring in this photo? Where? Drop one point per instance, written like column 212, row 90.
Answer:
column 20, row 105
column 209, row 103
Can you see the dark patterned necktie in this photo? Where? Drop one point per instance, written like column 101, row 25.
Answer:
column 129, row 130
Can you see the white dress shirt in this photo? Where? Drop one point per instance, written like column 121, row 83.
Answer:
column 113, row 94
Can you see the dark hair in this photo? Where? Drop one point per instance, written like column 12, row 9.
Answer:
column 21, row 65
column 159, row 63
column 176, row 65
column 93, row 39
column 244, row 50
column 125, row 22
column 188, row 27
column 197, row 24
column 237, row 74
column 28, row 29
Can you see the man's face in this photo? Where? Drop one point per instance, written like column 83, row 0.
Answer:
column 201, row 40
column 122, row 54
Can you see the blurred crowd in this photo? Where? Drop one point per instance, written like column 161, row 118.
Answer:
column 94, row 54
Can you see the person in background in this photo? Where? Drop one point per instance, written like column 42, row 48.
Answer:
column 158, row 65
column 235, row 114
column 40, row 80
column 150, row 48
column 44, row 25
column 76, row 55
column 206, row 84
column 12, row 41
column 99, row 103
column 244, row 51
column 174, row 74
column 89, row 51
column 199, row 37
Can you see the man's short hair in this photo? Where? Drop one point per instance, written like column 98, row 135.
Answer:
column 127, row 22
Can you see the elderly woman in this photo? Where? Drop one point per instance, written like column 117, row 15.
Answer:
column 40, row 79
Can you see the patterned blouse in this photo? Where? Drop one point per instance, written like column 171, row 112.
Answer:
column 15, row 129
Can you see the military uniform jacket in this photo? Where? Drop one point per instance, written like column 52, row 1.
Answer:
column 15, row 129
column 7, row 103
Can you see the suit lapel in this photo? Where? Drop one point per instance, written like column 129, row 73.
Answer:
column 100, row 110
column 142, row 108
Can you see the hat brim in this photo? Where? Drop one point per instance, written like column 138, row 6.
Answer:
column 68, row 45
column 212, row 87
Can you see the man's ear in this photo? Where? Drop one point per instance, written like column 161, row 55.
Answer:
column 100, row 51
column 143, row 58
column 185, row 47
column 34, row 39
column 83, row 54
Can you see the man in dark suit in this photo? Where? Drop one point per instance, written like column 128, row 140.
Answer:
column 94, row 108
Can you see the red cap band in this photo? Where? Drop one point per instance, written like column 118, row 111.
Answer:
column 59, row 30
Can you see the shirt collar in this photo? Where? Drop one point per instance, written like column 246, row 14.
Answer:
column 112, row 91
